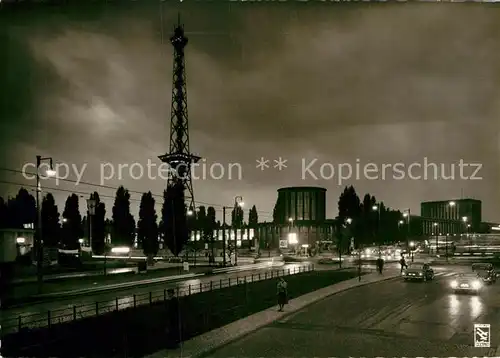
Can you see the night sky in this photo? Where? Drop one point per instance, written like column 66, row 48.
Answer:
column 338, row 82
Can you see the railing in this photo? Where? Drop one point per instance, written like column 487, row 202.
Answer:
column 74, row 313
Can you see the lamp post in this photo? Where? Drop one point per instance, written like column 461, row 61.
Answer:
column 412, row 249
column 407, row 215
column 190, row 213
column 290, row 220
column 348, row 221
column 377, row 208
column 435, row 234
column 91, row 204
column 238, row 202
column 50, row 172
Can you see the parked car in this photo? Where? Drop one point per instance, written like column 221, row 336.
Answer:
column 486, row 272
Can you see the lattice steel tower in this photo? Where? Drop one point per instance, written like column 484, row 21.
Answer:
column 179, row 157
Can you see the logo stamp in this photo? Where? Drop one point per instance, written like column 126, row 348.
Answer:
column 482, row 335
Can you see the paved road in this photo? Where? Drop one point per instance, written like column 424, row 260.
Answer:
column 36, row 314
column 393, row 318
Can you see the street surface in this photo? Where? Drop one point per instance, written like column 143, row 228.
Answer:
column 392, row 318
column 36, row 314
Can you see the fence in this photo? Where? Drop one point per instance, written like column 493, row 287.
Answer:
column 67, row 314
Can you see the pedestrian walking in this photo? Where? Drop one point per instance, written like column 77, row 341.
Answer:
column 282, row 292
column 173, row 329
column 403, row 263
column 380, row 265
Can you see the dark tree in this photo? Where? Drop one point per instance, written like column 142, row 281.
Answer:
column 211, row 226
column 98, row 224
column 4, row 222
column 51, row 228
column 147, row 228
column 201, row 223
column 349, row 204
column 253, row 217
column 367, row 219
column 123, row 221
column 237, row 217
column 174, row 217
column 72, row 223
column 21, row 209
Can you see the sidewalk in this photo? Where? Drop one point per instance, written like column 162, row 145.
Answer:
column 205, row 343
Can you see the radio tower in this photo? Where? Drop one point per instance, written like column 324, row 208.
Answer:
column 179, row 157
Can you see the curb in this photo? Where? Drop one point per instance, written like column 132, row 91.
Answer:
column 209, row 350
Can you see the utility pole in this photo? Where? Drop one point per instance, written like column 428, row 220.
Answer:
column 38, row 227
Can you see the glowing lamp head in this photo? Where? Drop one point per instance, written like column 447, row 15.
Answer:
column 349, row 220
column 51, row 173
column 452, row 203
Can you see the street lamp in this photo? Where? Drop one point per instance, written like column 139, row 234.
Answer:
column 435, row 233
column 412, row 249
column 91, row 204
column 407, row 215
column 238, row 202
column 50, row 172
column 377, row 208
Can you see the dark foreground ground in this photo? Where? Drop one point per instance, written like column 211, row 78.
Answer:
column 141, row 331
column 389, row 319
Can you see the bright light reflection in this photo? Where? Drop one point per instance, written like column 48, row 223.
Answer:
column 476, row 306
column 454, row 305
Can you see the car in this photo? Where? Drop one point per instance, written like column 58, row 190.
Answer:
column 418, row 273
column 486, row 272
column 467, row 283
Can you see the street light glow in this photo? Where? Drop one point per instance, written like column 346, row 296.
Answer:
column 290, row 219
column 190, row 212
column 401, row 222
column 50, row 172
column 405, row 215
column 435, row 224
column 374, row 207
column 464, row 219
column 452, row 203
column 349, row 220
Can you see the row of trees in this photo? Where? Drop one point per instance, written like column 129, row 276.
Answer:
column 173, row 226
column 367, row 220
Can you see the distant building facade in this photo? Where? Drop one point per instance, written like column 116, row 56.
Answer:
column 300, row 223
column 454, row 216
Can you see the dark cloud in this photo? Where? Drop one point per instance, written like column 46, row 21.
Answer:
column 383, row 84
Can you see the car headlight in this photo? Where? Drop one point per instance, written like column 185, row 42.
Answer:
column 420, row 273
column 454, row 284
column 476, row 284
